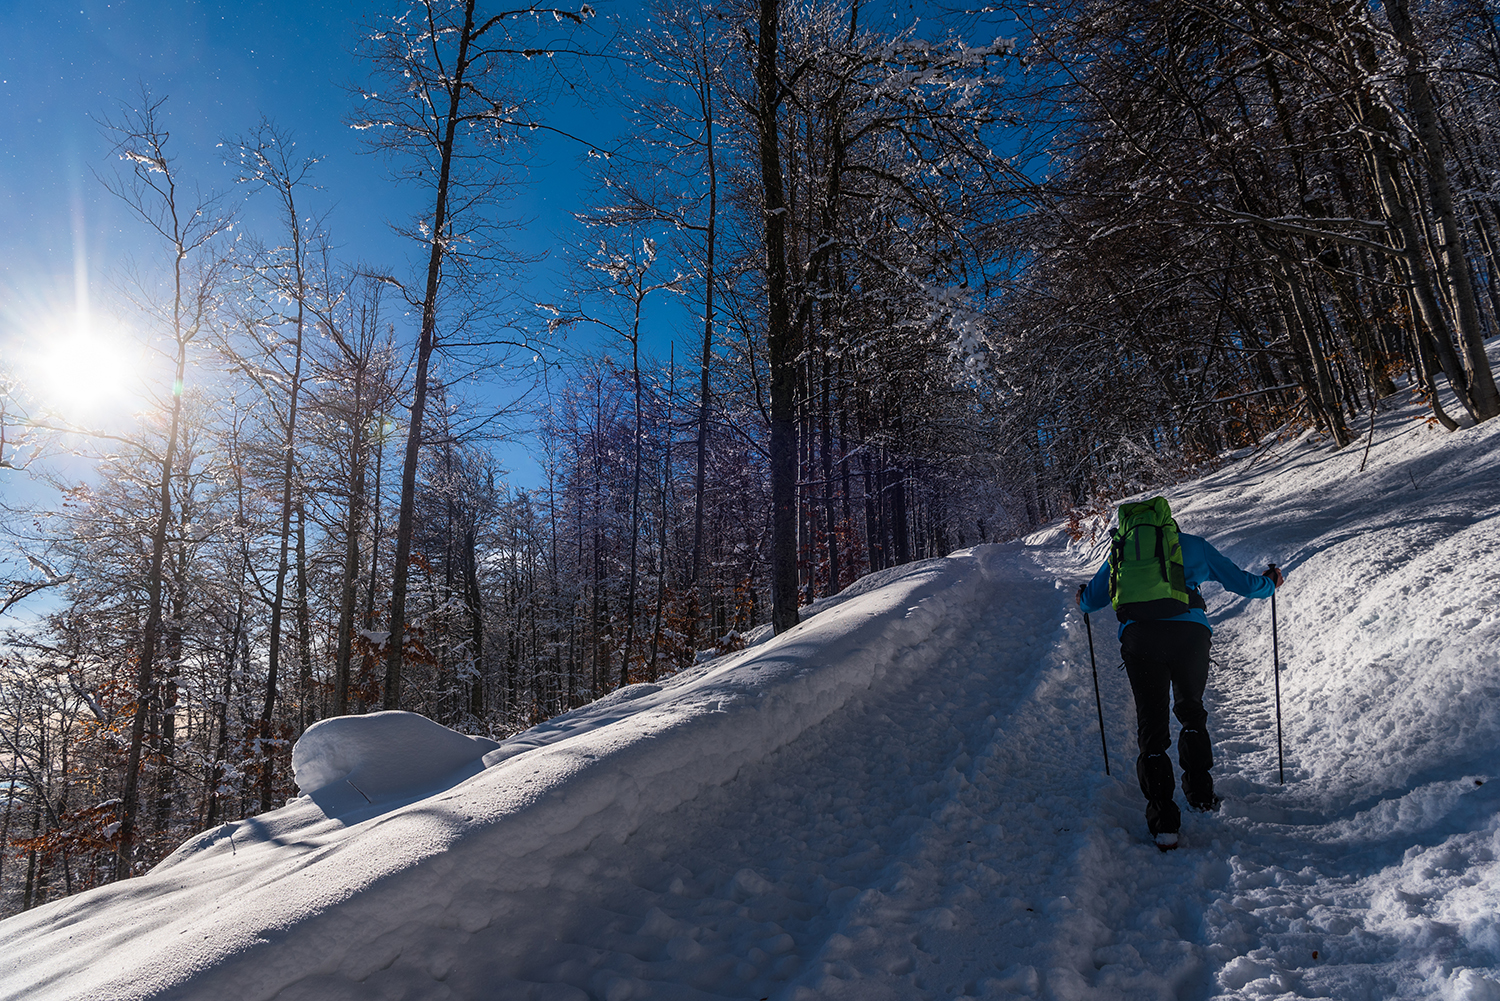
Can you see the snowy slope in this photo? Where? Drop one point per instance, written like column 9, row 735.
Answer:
column 904, row 797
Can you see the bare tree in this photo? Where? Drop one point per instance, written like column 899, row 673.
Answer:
column 268, row 159
column 148, row 184
column 356, row 384
column 673, row 179
column 625, row 276
column 447, row 108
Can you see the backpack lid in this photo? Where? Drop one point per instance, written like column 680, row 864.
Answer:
column 1155, row 511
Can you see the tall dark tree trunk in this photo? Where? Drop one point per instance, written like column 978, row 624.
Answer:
column 391, row 698
column 166, row 748
column 307, row 712
column 29, row 896
column 1323, row 375
column 474, row 605
column 781, row 337
column 377, row 527
column 873, row 541
column 900, row 526
column 150, row 635
column 221, row 721
column 288, row 468
column 236, row 635
column 635, row 501
column 710, row 278
column 830, row 508
column 355, row 518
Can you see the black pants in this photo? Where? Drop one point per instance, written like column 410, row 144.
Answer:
column 1168, row 665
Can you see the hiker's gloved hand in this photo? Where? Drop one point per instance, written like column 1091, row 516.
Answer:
column 1274, row 572
column 1079, row 595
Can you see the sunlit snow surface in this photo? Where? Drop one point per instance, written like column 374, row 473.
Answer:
column 904, row 797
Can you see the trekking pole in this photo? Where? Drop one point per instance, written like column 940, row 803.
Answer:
column 1276, row 665
column 1098, row 703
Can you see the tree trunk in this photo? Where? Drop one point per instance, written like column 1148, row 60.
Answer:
column 635, row 501
column 475, row 606
column 166, row 748
column 661, row 521
column 830, row 504
column 900, row 529
column 391, row 698
column 221, row 720
column 1306, row 322
column 873, row 542
column 705, row 362
column 288, row 468
column 307, row 712
column 130, row 796
column 781, row 343
column 28, row 894
column 351, row 561
column 1380, row 158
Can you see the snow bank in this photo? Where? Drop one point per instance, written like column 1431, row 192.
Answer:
column 1390, row 621
column 1372, row 871
column 303, row 892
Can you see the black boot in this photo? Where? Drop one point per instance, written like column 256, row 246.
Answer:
column 1154, row 771
column 1195, row 755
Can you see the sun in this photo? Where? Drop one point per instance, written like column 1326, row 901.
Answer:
column 81, row 371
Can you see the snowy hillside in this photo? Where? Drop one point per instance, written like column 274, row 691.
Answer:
column 905, row 797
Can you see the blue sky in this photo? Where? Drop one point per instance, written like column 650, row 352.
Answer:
column 221, row 66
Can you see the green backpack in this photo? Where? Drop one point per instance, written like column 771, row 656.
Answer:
column 1146, row 579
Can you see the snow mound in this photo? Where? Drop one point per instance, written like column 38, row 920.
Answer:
column 383, row 755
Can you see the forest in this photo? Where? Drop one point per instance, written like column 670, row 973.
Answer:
column 944, row 287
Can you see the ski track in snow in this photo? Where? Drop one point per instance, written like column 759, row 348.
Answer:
column 942, row 827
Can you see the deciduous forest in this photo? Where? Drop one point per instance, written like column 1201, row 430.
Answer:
column 946, row 280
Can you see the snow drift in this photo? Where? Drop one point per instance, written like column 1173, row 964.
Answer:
column 381, row 756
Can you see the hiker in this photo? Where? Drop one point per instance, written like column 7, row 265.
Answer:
column 1152, row 579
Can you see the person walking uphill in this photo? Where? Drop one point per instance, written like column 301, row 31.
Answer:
column 1152, row 579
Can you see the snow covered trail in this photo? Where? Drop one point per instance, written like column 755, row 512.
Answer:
column 848, row 863
column 1372, row 873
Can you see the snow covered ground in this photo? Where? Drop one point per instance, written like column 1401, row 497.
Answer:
column 904, row 797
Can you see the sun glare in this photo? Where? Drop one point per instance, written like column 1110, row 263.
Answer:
column 82, row 371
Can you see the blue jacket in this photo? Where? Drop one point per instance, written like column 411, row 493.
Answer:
column 1201, row 562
